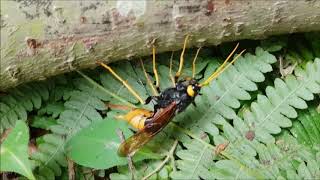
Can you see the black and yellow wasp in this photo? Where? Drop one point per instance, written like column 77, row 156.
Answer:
column 168, row 103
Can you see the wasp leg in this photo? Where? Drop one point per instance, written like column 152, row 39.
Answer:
column 156, row 107
column 154, row 90
column 129, row 158
column 150, row 98
column 170, row 71
column 131, row 90
column 119, row 107
column 194, row 63
column 181, row 59
column 194, row 104
column 154, row 66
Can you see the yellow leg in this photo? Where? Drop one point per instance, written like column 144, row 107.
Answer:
column 182, row 58
column 194, row 63
column 133, row 92
column 170, row 71
column 119, row 107
column 222, row 67
column 154, row 90
column 154, row 65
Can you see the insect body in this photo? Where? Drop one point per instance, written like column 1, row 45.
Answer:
column 183, row 94
column 168, row 103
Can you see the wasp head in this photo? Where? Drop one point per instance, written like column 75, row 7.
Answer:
column 190, row 86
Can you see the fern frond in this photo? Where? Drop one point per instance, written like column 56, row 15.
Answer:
column 267, row 116
column 272, row 159
column 80, row 110
column 196, row 161
column 272, row 111
column 307, row 129
column 142, row 170
column 20, row 101
column 28, row 97
column 224, row 94
column 54, row 109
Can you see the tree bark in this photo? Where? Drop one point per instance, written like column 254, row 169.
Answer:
column 40, row 39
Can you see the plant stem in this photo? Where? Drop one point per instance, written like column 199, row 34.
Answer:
column 130, row 162
column 169, row 154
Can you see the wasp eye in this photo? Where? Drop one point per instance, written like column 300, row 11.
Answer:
column 190, row 90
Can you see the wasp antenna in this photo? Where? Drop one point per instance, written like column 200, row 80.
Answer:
column 194, row 63
column 228, row 64
column 182, row 58
column 154, row 65
column 222, row 67
column 154, row 90
column 206, row 82
column 170, row 70
column 131, row 90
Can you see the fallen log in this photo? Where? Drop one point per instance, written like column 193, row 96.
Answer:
column 40, row 39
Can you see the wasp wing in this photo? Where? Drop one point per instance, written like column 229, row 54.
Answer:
column 156, row 124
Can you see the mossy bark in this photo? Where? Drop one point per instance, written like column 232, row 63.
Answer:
column 40, row 39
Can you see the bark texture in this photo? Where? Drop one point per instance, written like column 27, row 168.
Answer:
column 42, row 38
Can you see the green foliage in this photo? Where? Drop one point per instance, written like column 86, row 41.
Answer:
column 14, row 151
column 307, row 129
column 195, row 161
column 248, row 123
column 274, row 44
column 276, row 108
column 95, row 147
column 22, row 100
column 272, row 111
column 314, row 41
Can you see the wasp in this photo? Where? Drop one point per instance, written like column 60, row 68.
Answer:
column 167, row 103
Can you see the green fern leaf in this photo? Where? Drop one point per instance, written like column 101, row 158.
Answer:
column 267, row 116
column 54, row 109
column 196, row 160
column 142, row 170
column 272, row 112
column 307, row 129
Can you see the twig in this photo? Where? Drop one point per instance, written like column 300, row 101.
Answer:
column 130, row 162
column 71, row 173
column 169, row 155
column 5, row 134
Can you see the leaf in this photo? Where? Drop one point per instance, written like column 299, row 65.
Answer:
column 307, row 128
column 43, row 122
column 268, row 115
column 142, row 170
column 274, row 44
column 195, row 161
column 14, row 151
column 96, row 145
column 314, row 40
column 273, row 111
